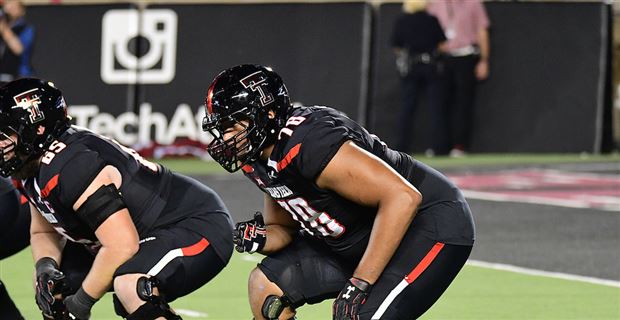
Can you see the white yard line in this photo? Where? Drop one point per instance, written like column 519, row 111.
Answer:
column 541, row 273
column 569, row 203
column 475, row 263
column 252, row 258
column 558, row 173
column 191, row 313
column 511, row 268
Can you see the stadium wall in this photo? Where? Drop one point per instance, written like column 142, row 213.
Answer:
column 91, row 52
column 544, row 94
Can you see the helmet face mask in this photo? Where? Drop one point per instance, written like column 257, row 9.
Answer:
column 254, row 102
column 234, row 151
column 33, row 111
column 8, row 153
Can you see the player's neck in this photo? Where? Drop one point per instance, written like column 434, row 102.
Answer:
column 29, row 169
column 266, row 153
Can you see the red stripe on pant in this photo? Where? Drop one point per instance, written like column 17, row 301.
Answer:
column 426, row 261
column 196, row 248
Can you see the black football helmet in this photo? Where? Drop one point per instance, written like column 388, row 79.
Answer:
column 36, row 112
column 244, row 95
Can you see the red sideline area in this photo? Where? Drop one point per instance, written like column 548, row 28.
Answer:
column 551, row 187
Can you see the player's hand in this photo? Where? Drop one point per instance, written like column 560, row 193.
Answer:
column 482, row 70
column 350, row 299
column 50, row 281
column 250, row 236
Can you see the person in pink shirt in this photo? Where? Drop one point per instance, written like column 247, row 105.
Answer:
column 465, row 24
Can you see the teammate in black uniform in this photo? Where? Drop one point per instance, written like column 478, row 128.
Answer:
column 133, row 226
column 15, row 221
column 380, row 231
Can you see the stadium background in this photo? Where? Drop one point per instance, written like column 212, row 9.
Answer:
column 550, row 92
column 550, row 61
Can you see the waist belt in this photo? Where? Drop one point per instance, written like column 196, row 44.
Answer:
column 425, row 58
column 464, row 51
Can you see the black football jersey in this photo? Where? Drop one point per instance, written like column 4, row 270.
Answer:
column 6, row 185
column 310, row 139
column 70, row 165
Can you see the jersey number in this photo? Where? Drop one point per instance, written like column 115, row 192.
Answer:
column 53, row 150
column 150, row 165
column 319, row 222
column 293, row 122
column 47, row 212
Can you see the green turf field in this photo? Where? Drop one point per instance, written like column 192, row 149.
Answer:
column 477, row 293
column 195, row 166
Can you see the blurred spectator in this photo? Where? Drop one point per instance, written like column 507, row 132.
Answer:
column 16, row 41
column 465, row 23
column 416, row 38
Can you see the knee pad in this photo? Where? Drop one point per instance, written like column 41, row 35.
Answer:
column 119, row 309
column 155, row 305
column 273, row 306
column 153, row 310
column 145, row 288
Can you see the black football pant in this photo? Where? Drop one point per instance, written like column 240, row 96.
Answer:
column 423, row 83
column 418, row 274
column 460, row 89
column 179, row 258
column 15, row 220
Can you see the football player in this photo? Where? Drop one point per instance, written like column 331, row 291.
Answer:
column 15, row 220
column 104, row 218
column 345, row 216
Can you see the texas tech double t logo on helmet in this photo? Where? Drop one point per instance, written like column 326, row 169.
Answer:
column 245, row 95
column 33, row 114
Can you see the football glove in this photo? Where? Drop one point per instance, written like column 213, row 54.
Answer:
column 79, row 305
column 350, row 299
column 50, row 281
column 59, row 312
column 250, row 236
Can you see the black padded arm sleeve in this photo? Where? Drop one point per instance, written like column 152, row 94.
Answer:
column 104, row 202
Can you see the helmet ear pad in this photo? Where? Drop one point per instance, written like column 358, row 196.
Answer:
column 27, row 136
column 258, row 127
column 266, row 119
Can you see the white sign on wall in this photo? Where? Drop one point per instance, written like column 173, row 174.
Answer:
column 156, row 65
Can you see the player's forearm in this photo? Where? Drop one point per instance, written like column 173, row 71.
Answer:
column 389, row 228
column 46, row 244
column 12, row 41
column 483, row 42
column 100, row 276
column 278, row 237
